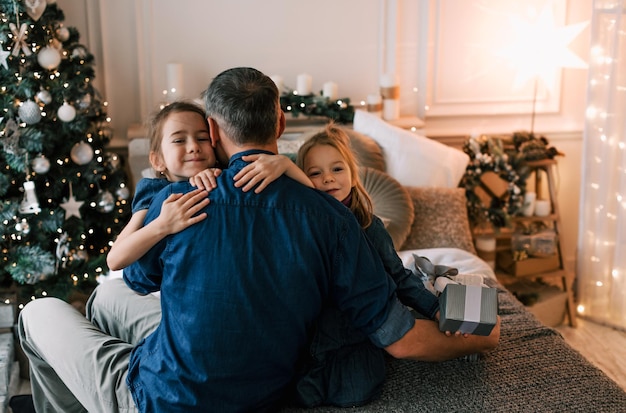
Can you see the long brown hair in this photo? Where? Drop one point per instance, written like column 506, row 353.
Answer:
column 333, row 136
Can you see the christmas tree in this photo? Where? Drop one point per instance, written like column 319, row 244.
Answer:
column 64, row 197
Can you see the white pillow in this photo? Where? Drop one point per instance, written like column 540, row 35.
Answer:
column 412, row 159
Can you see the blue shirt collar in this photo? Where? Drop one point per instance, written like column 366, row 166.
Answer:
column 237, row 157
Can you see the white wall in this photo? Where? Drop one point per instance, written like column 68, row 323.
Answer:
column 349, row 42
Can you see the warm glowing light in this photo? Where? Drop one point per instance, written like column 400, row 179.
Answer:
column 599, row 283
column 580, row 309
column 539, row 48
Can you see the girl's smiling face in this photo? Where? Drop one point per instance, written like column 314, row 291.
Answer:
column 185, row 147
column 328, row 171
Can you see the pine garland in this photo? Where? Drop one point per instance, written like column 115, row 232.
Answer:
column 338, row 110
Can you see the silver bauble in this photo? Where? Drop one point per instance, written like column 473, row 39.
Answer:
column 84, row 102
column 23, row 227
column 66, row 112
column 29, row 112
column 40, row 164
column 63, row 34
column 79, row 52
column 106, row 202
column 81, row 153
column 49, row 57
column 44, row 97
column 123, row 193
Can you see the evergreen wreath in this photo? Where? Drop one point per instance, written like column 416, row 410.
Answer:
column 506, row 157
column 487, row 154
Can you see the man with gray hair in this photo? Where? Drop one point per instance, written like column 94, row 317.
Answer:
column 240, row 291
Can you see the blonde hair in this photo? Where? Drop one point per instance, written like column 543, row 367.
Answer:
column 335, row 137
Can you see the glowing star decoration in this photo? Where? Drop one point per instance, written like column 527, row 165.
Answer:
column 71, row 206
column 538, row 49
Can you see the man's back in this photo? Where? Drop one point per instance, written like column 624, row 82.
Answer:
column 248, row 283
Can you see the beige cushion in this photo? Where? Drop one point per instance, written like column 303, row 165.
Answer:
column 440, row 220
column 391, row 203
column 366, row 150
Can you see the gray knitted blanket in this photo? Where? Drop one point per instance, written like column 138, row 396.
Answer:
column 532, row 370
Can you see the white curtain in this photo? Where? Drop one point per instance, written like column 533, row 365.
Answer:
column 601, row 260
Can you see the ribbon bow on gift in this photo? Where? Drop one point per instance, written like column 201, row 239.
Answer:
column 19, row 39
column 436, row 277
column 429, row 272
column 463, row 279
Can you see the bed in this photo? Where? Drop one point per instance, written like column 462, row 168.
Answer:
column 414, row 185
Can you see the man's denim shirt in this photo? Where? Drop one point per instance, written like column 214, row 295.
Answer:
column 241, row 290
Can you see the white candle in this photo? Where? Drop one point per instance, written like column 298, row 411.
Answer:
column 389, row 90
column 486, row 249
column 391, row 109
column 388, row 80
column 278, row 80
column 528, row 209
column 303, row 84
column 542, row 207
column 485, row 243
column 375, row 104
column 330, row 91
column 174, row 81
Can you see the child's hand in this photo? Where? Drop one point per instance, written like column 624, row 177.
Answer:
column 206, row 179
column 263, row 170
column 178, row 210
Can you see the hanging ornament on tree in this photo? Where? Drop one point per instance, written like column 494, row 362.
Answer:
column 106, row 202
column 44, row 97
column 29, row 112
column 62, row 33
column 49, row 57
column 81, row 153
column 80, row 255
column 84, row 102
column 3, row 58
column 19, row 40
column 112, row 161
column 62, row 250
column 35, row 8
column 40, row 164
column 71, row 206
column 11, row 139
column 66, row 112
column 30, row 204
column 122, row 193
column 22, row 226
column 79, row 52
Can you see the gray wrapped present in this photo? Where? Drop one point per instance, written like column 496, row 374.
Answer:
column 471, row 309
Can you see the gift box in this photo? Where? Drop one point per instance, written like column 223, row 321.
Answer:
column 528, row 266
column 469, row 309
